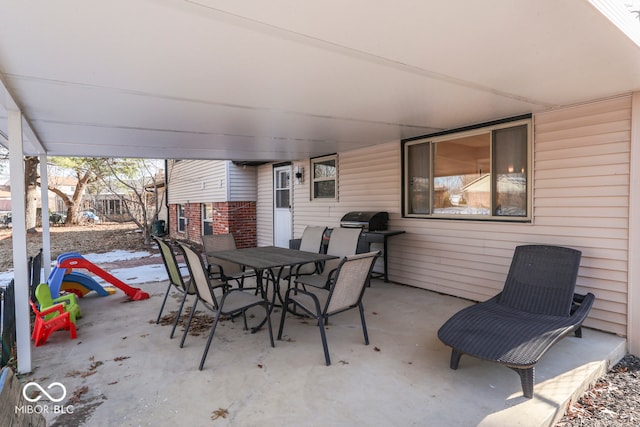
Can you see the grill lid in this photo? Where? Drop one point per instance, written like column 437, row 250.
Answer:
column 369, row 220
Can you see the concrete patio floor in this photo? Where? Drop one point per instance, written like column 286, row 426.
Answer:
column 136, row 376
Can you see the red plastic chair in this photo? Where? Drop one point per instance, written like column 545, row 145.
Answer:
column 44, row 328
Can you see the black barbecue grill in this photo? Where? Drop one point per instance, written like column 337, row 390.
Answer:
column 367, row 220
column 374, row 231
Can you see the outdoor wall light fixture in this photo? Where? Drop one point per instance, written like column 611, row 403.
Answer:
column 299, row 174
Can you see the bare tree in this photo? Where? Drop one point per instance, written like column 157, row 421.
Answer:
column 31, row 185
column 31, row 177
column 4, row 158
column 136, row 183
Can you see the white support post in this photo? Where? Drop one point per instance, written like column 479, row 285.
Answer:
column 633, row 277
column 19, row 231
column 46, row 232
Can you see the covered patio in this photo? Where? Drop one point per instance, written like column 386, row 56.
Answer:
column 209, row 79
column 135, row 375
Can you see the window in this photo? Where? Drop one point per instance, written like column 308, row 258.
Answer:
column 207, row 218
column 478, row 173
column 112, row 207
column 324, row 177
column 282, row 197
column 182, row 221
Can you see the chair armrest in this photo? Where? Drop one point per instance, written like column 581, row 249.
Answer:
column 295, row 271
column 301, row 291
column 215, row 270
column 58, row 307
column 67, row 299
column 218, row 282
column 581, row 306
column 331, row 276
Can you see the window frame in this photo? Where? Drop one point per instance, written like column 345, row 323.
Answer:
column 181, row 219
column 313, row 179
column 206, row 220
column 456, row 134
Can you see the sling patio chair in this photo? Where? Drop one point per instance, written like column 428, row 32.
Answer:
column 342, row 242
column 221, row 269
column 311, row 241
column 229, row 303
column 176, row 280
column 345, row 293
column 536, row 308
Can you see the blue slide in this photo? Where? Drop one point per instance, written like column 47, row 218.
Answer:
column 78, row 283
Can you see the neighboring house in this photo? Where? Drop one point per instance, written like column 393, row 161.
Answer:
column 212, row 197
column 66, row 185
column 112, row 206
column 5, row 198
column 106, row 205
column 568, row 184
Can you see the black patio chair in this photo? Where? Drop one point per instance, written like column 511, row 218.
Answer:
column 346, row 292
column 536, row 308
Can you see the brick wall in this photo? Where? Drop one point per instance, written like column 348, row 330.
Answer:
column 238, row 218
column 193, row 227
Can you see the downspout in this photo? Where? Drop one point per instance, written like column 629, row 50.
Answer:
column 227, row 185
column 633, row 267
column 166, row 193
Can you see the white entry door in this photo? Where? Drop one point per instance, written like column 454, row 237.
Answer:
column 282, row 206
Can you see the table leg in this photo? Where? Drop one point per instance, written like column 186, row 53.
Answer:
column 384, row 260
column 263, row 291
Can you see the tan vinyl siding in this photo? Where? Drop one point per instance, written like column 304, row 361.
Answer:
column 368, row 179
column 264, row 205
column 242, row 183
column 204, row 181
column 197, row 181
column 582, row 191
column 580, row 199
column 581, row 187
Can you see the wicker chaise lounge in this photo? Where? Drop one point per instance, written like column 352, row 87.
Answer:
column 536, row 308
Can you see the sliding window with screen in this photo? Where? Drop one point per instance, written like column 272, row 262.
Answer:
column 481, row 172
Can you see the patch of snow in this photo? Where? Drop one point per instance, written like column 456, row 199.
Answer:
column 113, row 256
column 132, row 275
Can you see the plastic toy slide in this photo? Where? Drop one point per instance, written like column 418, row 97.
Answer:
column 63, row 278
column 81, row 284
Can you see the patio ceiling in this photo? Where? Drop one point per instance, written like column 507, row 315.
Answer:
column 286, row 80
